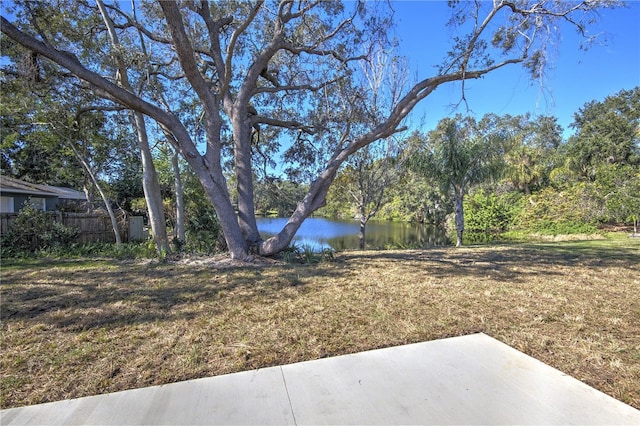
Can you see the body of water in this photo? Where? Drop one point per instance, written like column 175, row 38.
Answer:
column 320, row 233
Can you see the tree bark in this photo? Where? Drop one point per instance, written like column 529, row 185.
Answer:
column 458, row 198
column 151, row 187
column 215, row 185
column 244, row 176
column 363, row 227
column 179, row 188
column 208, row 168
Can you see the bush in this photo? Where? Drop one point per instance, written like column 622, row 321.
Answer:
column 203, row 238
column 489, row 215
column 307, row 254
column 203, row 230
column 132, row 250
column 545, row 227
column 575, row 210
column 35, row 230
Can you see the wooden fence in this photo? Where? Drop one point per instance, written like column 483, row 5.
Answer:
column 93, row 227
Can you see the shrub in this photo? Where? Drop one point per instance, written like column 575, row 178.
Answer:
column 575, row 210
column 35, row 230
column 489, row 215
column 307, row 254
column 203, row 229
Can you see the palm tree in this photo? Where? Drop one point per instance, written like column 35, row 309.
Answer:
column 460, row 152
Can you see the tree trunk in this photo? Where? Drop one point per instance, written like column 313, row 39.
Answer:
column 315, row 198
column 151, row 188
column 208, row 166
column 180, row 230
column 363, row 229
column 150, row 185
column 244, row 176
column 458, row 209
column 112, row 216
column 90, row 198
column 212, row 180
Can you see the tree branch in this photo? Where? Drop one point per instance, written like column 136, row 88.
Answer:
column 85, row 110
column 287, row 124
column 185, row 54
column 296, row 50
column 214, row 28
column 101, row 84
column 291, row 88
column 228, row 74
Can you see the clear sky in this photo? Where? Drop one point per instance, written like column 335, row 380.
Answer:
column 574, row 77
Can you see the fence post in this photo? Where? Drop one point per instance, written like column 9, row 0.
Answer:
column 136, row 228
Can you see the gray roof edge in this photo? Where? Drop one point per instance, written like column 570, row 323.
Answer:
column 8, row 184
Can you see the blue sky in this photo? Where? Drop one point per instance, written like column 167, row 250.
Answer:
column 574, row 77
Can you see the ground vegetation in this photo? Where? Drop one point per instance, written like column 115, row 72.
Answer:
column 85, row 326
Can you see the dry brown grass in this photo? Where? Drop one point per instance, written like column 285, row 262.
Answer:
column 77, row 328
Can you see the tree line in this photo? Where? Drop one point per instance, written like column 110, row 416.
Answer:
column 215, row 91
column 506, row 173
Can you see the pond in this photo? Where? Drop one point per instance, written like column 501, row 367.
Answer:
column 320, row 233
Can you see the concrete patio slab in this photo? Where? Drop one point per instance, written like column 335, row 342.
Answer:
column 471, row 379
column 250, row 397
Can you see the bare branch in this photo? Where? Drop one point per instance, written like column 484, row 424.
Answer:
column 288, row 16
column 228, row 75
column 293, row 87
column 296, row 50
column 286, row 124
column 85, row 110
column 337, row 30
column 214, row 28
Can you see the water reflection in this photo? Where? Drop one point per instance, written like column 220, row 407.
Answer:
column 320, row 233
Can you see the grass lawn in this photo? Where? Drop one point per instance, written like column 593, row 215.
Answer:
column 73, row 328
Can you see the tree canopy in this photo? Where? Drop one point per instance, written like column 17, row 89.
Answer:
column 606, row 132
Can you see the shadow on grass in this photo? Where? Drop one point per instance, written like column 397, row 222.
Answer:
column 503, row 261
column 588, row 252
column 79, row 296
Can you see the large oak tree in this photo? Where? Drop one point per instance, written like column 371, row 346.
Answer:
column 286, row 65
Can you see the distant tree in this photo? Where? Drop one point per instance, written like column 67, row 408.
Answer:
column 531, row 146
column 278, row 196
column 576, row 209
column 417, row 198
column 94, row 178
column 171, row 173
column 620, row 188
column 607, row 132
column 489, row 214
column 55, row 137
column 460, row 152
column 202, row 227
column 29, row 150
column 365, row 181
column 285, row 65
column 373, row 168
